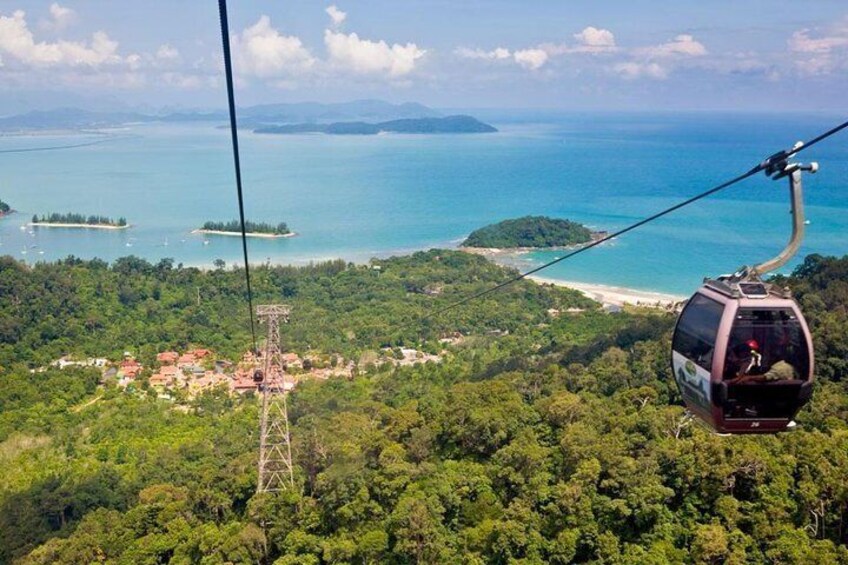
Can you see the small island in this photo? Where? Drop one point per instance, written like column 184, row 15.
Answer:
column 449, row 124
column 5, row 209
column 252, row 229
column 529, row 232
column 71, row 220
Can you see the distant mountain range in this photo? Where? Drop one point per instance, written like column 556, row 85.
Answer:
column 449, row 124
column 253, row 117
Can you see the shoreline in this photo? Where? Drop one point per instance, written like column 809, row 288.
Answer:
column 495, row 252
column 609, row 296
column 77, row 226
column 618, row 296
column 248, row 234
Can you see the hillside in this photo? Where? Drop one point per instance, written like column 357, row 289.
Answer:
column 449, row 124
column 529, row 231
column 562, row 441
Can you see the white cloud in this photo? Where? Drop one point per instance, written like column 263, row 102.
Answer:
column 590, row 40
column 262, row 51
column 531, row 58
column 336, row 15
column 633, row 70
column 364, row 56
column 682, row 45
column 17, row 41
column 167, row 53
column 801, row 42
column 60, row 18
column 644, row 60
column 820, row 55
column 595, row 40
column 499, row 53
column 61, row 14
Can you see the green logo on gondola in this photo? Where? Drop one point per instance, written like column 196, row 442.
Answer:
column 690, row 368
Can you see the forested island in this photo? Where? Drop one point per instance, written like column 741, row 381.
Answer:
column 72, row 220
column 4, row 208
column 538, row 438
column 529, row 232
column 449, row 124
column 252, row 229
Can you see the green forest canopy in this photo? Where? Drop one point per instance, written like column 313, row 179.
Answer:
column 72, row 218
column 250, row 227
column 529, row 231
column 562, row 441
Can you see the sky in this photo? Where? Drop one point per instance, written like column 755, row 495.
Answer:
column 666, row 55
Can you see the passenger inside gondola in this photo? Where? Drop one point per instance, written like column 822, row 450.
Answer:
column 765, row 361
column 744, row 362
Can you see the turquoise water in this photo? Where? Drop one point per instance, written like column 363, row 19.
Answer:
column 359, row 197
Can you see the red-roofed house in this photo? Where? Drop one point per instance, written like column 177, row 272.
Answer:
column 169, row 371
column 167, row 357
column 185, row 360
column 199, row 353
column 129, row 368
column 160, row 381
column 242, row 383
column 166, row 377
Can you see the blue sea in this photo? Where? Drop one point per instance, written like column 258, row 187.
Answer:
column 373, row 196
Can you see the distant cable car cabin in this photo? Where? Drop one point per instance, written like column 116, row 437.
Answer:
column 742, row 355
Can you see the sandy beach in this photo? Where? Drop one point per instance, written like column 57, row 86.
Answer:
column 248, row 234
column 79, row 226
column 616, row 295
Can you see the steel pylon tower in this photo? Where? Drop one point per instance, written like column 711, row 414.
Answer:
column 276, row 468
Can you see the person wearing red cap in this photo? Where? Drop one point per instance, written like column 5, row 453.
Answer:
column 748, row 362
column 751, row 368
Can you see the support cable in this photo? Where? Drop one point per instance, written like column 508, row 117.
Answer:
column 228, row 68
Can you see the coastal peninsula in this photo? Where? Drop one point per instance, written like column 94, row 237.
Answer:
column 504, row 241
column 72, row 220
column 528, row 233
column 252, row 229
column 449, row 124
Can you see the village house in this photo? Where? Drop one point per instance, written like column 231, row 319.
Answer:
column 166, row 377
column 186, row 360
column 242, row 383
column 160, row 382
column 167, row 357
column 129, row 368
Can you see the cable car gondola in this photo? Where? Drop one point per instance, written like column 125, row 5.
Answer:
column 742, row 355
